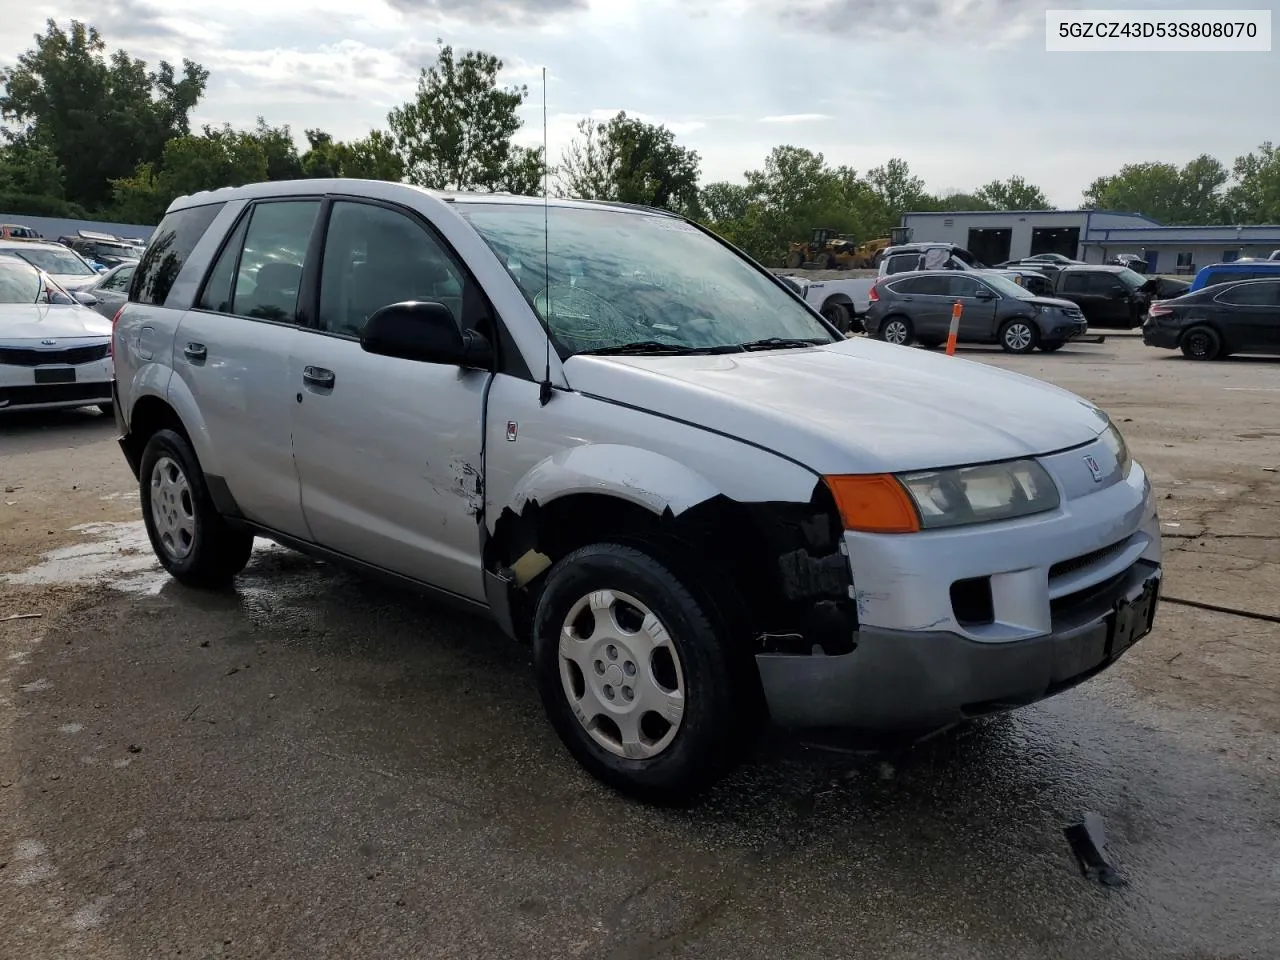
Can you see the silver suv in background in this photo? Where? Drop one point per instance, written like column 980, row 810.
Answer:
column 636, row 450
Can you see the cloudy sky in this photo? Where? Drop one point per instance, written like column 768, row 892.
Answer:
column 962, row 89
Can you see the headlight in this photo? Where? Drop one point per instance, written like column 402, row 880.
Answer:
column 981, row 494
column 1112, row 440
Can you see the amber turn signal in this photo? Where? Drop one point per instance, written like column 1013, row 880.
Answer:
column 874, row 503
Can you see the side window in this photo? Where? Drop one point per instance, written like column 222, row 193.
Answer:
column 903, row 263
column 914, row 287
column 374, row 256
column 1103, row 284
column 216, row 295
column 167, row 252
column 1252, row 294
column 962, row 286
column 270, row 273
column 1075, row 283
column 121, row 279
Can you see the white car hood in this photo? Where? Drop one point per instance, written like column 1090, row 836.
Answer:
column 855, row 407
column 45, row 321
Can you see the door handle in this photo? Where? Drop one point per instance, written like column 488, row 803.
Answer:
column 195, row 352
column 908, row 298
column 318, row 377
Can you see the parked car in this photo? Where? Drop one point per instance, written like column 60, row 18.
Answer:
column 635, row 449
column 16, row 231
column 67, row 268
column 1215, row 322
column 1217, row 273
column 109, row 291
column 53, row 351
column 107, row 252
column 842, row 302
column 926, row 256
column 917, row 307
column 1034, row 280
column 1109, row 296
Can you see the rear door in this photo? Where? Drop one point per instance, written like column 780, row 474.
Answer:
column 921, row 299
column 235, row 350
column 1250, row 315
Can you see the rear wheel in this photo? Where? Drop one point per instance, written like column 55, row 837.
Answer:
column 837, row 314
column 635, row 674
column 794, row 260
column 1201, row 343
column 1019, row 336
column 190, row 538
column 897, row 329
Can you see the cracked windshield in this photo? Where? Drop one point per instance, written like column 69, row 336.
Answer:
column 622, row 282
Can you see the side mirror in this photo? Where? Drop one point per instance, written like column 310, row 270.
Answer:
column 423, row 330
column 985, row 294
column 85, row 298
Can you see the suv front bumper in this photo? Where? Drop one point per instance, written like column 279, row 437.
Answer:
column 916, row 680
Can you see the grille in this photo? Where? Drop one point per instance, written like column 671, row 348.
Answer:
column 55, row 393
column 22, row 357
column 1085, row 560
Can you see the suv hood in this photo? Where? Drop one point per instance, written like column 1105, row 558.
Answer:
column 854, row 407
column 1054, row 302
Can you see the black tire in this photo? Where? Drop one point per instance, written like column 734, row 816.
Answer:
column 903, row 335
column 1201, row 343
column 793, row 260
column 1019, row 335
column 837, row 314
column 1049, row 346
column 212, row 552
column 107, row 409
column 826, row 261
column 709, row 737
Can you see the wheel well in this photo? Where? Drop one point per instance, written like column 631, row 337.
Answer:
column 148, row 415
column 774, row 572
column 837, row 298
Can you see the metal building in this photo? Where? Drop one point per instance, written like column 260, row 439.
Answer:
column 1092, row 236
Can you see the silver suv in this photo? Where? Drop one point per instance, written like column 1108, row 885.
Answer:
column 636, row 450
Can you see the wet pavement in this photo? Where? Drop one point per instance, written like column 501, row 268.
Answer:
column 315, row 765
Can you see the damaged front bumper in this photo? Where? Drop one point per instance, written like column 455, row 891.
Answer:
column 910, row 680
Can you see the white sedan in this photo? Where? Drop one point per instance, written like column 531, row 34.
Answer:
column 54, row 352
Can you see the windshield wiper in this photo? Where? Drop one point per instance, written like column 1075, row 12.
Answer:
column 655, row 347
column 779, row 343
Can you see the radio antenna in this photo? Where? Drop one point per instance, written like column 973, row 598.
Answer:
column 544, row 389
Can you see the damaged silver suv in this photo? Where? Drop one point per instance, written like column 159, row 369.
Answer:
column 636, row 450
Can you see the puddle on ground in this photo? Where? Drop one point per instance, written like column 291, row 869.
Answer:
column 118, row 555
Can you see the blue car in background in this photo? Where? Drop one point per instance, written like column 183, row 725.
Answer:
column 1216, row 273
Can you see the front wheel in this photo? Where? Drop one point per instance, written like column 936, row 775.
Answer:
column 897, row 329
column 1201, row 343
column 1019, row 336
column 635, row 674
column 794, row 260
column 190, row 538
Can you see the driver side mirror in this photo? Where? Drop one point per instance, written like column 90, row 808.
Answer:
column 423, row 330
column 985, row 293
column 85, row 298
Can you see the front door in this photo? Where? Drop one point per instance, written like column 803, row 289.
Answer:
column 233, row 350
column 389, row 451
column 977, row 318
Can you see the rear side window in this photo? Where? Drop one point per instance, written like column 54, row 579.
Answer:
column 902, row 262
column 1075, row 283
column 167, row 252
column 1252, row 294
column 917, row 286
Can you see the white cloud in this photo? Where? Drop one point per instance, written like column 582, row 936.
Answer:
column 961, row 89
column 796, row 118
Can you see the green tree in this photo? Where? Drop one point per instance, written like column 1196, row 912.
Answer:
column 631, row 161
column 218, row 157
column 456, row 132
column 1164, row 192
column 1255, row 197
column 897, row 188
column 723, row 202
column 279, row 150
column 100, row 116
column 31, row 168
column 1012, row 194
column 371, row 158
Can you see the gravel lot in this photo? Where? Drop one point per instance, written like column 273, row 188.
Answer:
column 314, row 765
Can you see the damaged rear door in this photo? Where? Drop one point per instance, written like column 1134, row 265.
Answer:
column 389, row 450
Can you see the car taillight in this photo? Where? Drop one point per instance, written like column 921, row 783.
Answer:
column 874, row 295
column 111, row 345
column 1158, row 309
